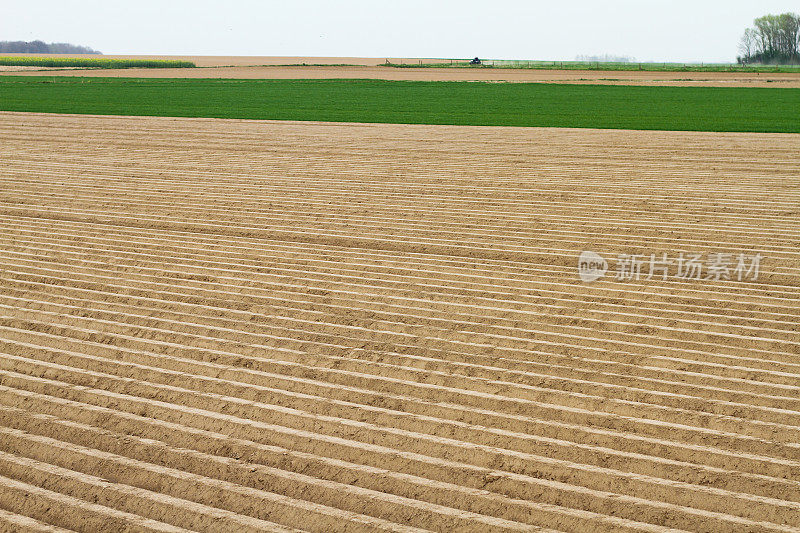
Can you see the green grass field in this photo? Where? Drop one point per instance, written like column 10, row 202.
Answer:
column 464, row 103
column 604, row 66
column 92, row 62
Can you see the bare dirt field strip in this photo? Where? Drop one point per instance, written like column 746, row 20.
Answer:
column 220, row 325
column 691, row 79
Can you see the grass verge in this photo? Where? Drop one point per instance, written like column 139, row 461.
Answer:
column 602, row 66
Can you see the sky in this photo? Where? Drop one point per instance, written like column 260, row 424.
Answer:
column 648, row 30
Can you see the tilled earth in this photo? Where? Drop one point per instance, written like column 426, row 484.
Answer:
column 217, row 325
column 322, row 70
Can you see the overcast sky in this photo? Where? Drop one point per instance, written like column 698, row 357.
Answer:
column 658, row 30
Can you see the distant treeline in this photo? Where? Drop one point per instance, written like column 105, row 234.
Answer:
column 773, row 40
column 41, row 47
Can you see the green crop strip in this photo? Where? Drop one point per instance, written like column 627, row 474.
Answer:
column 603, row 66
column 93, row 62
column 460, row 103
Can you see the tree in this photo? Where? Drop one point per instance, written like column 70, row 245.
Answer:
column 747, row 46
column 773, row 39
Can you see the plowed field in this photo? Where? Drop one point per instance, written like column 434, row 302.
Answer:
column 276, row 72
column 281, row 68
column 220, row 325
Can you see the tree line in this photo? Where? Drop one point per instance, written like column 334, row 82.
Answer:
column 40, row 47
column 773, row 39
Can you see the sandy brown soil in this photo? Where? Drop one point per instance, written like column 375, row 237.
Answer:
column 698, row 79
column 253, row 67
column 254, row 326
